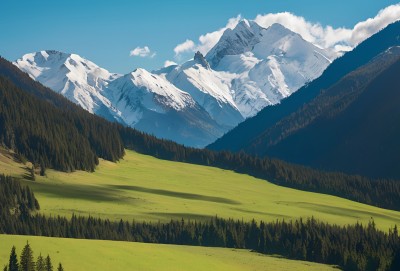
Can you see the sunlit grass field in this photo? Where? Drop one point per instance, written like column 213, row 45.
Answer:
column 77, row 254
column 142, row 187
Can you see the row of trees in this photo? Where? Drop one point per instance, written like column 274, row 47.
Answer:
column 18, row 199
column 353, row 247
column 27, row 262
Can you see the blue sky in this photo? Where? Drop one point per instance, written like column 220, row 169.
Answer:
column 106, row 31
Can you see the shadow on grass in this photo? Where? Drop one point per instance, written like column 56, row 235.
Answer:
column 185, row 216
column 260, row 213
column 335, row 210
column 174, row 194
column 71, row 191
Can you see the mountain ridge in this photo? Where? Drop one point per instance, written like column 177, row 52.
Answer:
column 220, row 96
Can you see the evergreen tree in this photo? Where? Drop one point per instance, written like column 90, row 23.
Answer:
column 42, row 169
column 26, row 262
column 5, row 268
column 13, row 262
column 32, row 173
column 40, row 264
column 48, row 264
column 60, row 267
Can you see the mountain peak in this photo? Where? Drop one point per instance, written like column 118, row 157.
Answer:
column 243, row 23
column 76, row 78
column 199, row 58
column 277, row 31
column 53, row 52
column 233, row 42
column 278, row 26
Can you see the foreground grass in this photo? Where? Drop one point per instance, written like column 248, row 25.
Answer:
column 76, row 254
column 142, row 187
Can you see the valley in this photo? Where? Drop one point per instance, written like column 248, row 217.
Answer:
column 144, row 188
column 269, row 143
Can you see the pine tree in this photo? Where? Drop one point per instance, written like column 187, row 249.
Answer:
column 48, row 264
column 13, row 262
column 32, row 173
column 60, row 267
column 5, row 268
column 40, row 264
column 26, row 262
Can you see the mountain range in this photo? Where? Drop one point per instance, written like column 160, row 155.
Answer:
column 197, row 102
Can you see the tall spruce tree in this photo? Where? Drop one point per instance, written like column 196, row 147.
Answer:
column 40, row 263
column 48, row 264
column 13, row 262
column 26, row 262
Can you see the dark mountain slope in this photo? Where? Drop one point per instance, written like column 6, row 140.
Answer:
column 247, row 131
column 52, row 137
column 354, row 126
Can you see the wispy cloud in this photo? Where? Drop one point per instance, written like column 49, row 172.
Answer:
column 371, row 26
column 168, row 63
column 328, row 36
column 186, row 46
column 339, row 39
column 206, row 41
column 209, row 40
column 142, row 52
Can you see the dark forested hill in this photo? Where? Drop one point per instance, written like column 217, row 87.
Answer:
column 243, row 135
column 53, row 137
column 49, row 130
column 354, row 126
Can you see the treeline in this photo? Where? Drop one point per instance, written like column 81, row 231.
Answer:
column 70, row 138
column 27, row 262
column 15, row 198
column 355, row 247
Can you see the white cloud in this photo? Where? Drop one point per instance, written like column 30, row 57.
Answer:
column 168, row 63
column 323, row 36
column 371, row 26
column 142, row 52
column 184, row 47
column 209, row 40
column 329, row 37
column 206, row 41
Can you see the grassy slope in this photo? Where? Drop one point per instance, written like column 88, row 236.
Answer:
column 110, row 255
column 145, row 188
column 10, row 165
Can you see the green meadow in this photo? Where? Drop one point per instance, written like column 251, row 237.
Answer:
column 144, row 188
column 77, row 254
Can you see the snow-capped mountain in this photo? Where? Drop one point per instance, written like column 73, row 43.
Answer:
column 139, row 99
column 140, row 90
column 207, row 87
column 76, row 78
column 266, row 65
column 152, row 104
column 196, row 102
